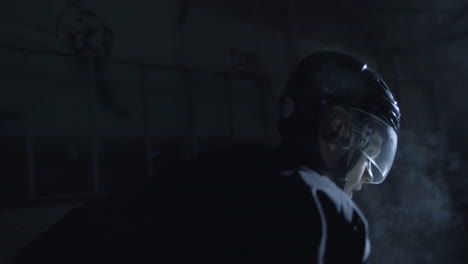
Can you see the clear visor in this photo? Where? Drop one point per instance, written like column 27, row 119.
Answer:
column 376, row 140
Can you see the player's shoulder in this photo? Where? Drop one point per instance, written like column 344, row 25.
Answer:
column 326, row 193
column 343, row 223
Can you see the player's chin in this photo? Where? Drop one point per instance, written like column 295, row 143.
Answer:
column 349, row 192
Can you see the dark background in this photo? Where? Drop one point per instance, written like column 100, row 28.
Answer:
column 89, row 89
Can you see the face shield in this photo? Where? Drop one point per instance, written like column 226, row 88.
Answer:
column 375, row 140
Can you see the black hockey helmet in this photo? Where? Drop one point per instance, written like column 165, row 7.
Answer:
column 333, row 78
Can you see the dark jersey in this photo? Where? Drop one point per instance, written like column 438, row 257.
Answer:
column 231, row 206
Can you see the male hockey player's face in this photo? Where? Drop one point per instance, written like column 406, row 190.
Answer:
column 359, row 174
column 346, row 162
column 364, row 159
column 356, row 175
